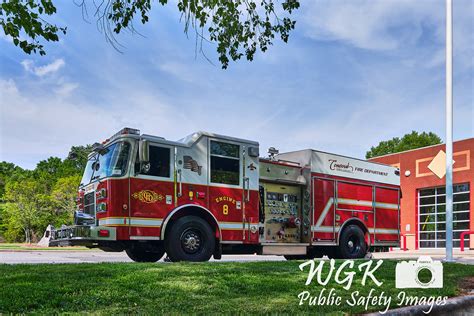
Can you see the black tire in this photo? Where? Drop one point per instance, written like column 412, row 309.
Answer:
column 352, row 243
column 190, row 239
column 138, row 254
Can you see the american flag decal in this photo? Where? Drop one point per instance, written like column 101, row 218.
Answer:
column 190, row 163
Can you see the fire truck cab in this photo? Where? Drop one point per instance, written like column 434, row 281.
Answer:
column 208, row 194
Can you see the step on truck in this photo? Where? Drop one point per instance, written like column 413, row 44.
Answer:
column 207, row 195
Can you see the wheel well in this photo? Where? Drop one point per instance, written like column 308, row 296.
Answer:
column 357, row 222
column 194, row 211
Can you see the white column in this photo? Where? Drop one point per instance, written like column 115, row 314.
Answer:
column 449, row 130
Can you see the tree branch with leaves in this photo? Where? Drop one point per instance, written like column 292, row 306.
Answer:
column 409, row 141
column 238, row 28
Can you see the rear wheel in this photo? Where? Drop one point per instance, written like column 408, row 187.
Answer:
column 190, row 239
column 352, row 243
column 140, row 254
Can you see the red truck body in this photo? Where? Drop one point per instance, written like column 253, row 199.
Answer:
column 210, row 194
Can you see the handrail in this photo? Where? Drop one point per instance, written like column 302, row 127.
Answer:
column 463, row 234
column 180, row 184
column 404, row 238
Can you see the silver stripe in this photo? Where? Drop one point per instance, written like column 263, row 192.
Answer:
column 132, row 222
column 387, row 206
column 367, row 203
column 146, row 222
column 324, row 229
column 384, row 231
column 114, row 221
column 354, row 202
column 324, row 212
column 231, row 226
column 328, row 229
column 144, row 238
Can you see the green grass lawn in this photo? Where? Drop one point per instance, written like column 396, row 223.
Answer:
column 30, row 247
column 227, row 287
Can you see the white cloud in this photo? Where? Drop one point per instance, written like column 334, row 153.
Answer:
column 178, row 70
column 66, row 88
column 368, row 24
column 7, row 87
column 37, row 127
column 27, row 65
column 7, row 38
column 41, row 71
column 387, row 24
column 251, row 102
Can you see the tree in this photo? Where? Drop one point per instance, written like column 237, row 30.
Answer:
column 23, row 211
column 63, row 201
column 238, row 27
column 408, row 141
column 33, row 199
column 77, row 158
column 8, row 171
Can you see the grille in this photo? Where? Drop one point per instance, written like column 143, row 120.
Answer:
column 89, row 205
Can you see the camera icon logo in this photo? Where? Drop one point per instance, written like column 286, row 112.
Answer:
column 423, row 273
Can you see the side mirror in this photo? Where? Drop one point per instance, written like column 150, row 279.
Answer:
column 144, row 156
column 143, row 151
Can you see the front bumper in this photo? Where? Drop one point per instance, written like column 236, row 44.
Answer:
column 80, row 235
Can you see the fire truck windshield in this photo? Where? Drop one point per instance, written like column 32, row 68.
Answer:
column 110, row 162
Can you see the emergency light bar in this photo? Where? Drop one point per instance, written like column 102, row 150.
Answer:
column 124, row 131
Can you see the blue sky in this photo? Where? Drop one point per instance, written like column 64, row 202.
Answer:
column 353, row 73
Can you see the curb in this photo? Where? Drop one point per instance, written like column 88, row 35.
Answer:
column 456, row 305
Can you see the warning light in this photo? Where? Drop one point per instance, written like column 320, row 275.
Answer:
column 103, row 233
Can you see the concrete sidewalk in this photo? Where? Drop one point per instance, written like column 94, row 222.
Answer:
column 439, row 254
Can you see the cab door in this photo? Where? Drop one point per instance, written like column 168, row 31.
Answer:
column 226, row 184
column 151, row 191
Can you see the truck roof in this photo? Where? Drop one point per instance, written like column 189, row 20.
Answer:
column 343, row 166
column 187, row 141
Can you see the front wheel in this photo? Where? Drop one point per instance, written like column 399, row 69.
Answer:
column 352, row 243
column 139, row 254
column 190, row 239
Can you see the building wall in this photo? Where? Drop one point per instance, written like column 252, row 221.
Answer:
column 420, row 176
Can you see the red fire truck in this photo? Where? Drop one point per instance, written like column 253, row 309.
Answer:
column 207, row 195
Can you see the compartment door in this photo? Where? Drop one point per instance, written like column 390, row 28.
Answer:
column 323, row 210
column 387, row 225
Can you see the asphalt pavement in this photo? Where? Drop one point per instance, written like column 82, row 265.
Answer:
column 95, row 256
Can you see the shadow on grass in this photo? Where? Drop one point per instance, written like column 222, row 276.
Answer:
column 227, row 287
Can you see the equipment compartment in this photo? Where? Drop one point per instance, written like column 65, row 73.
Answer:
column 282, row 208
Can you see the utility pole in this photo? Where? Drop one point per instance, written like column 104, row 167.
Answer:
column 449, row 130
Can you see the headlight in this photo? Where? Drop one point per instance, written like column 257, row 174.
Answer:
column 102, row 193
column 101, row 207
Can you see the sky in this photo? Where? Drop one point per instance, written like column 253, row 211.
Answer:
column 353, row 73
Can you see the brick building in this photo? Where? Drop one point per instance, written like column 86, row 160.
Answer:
column 422, row 180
